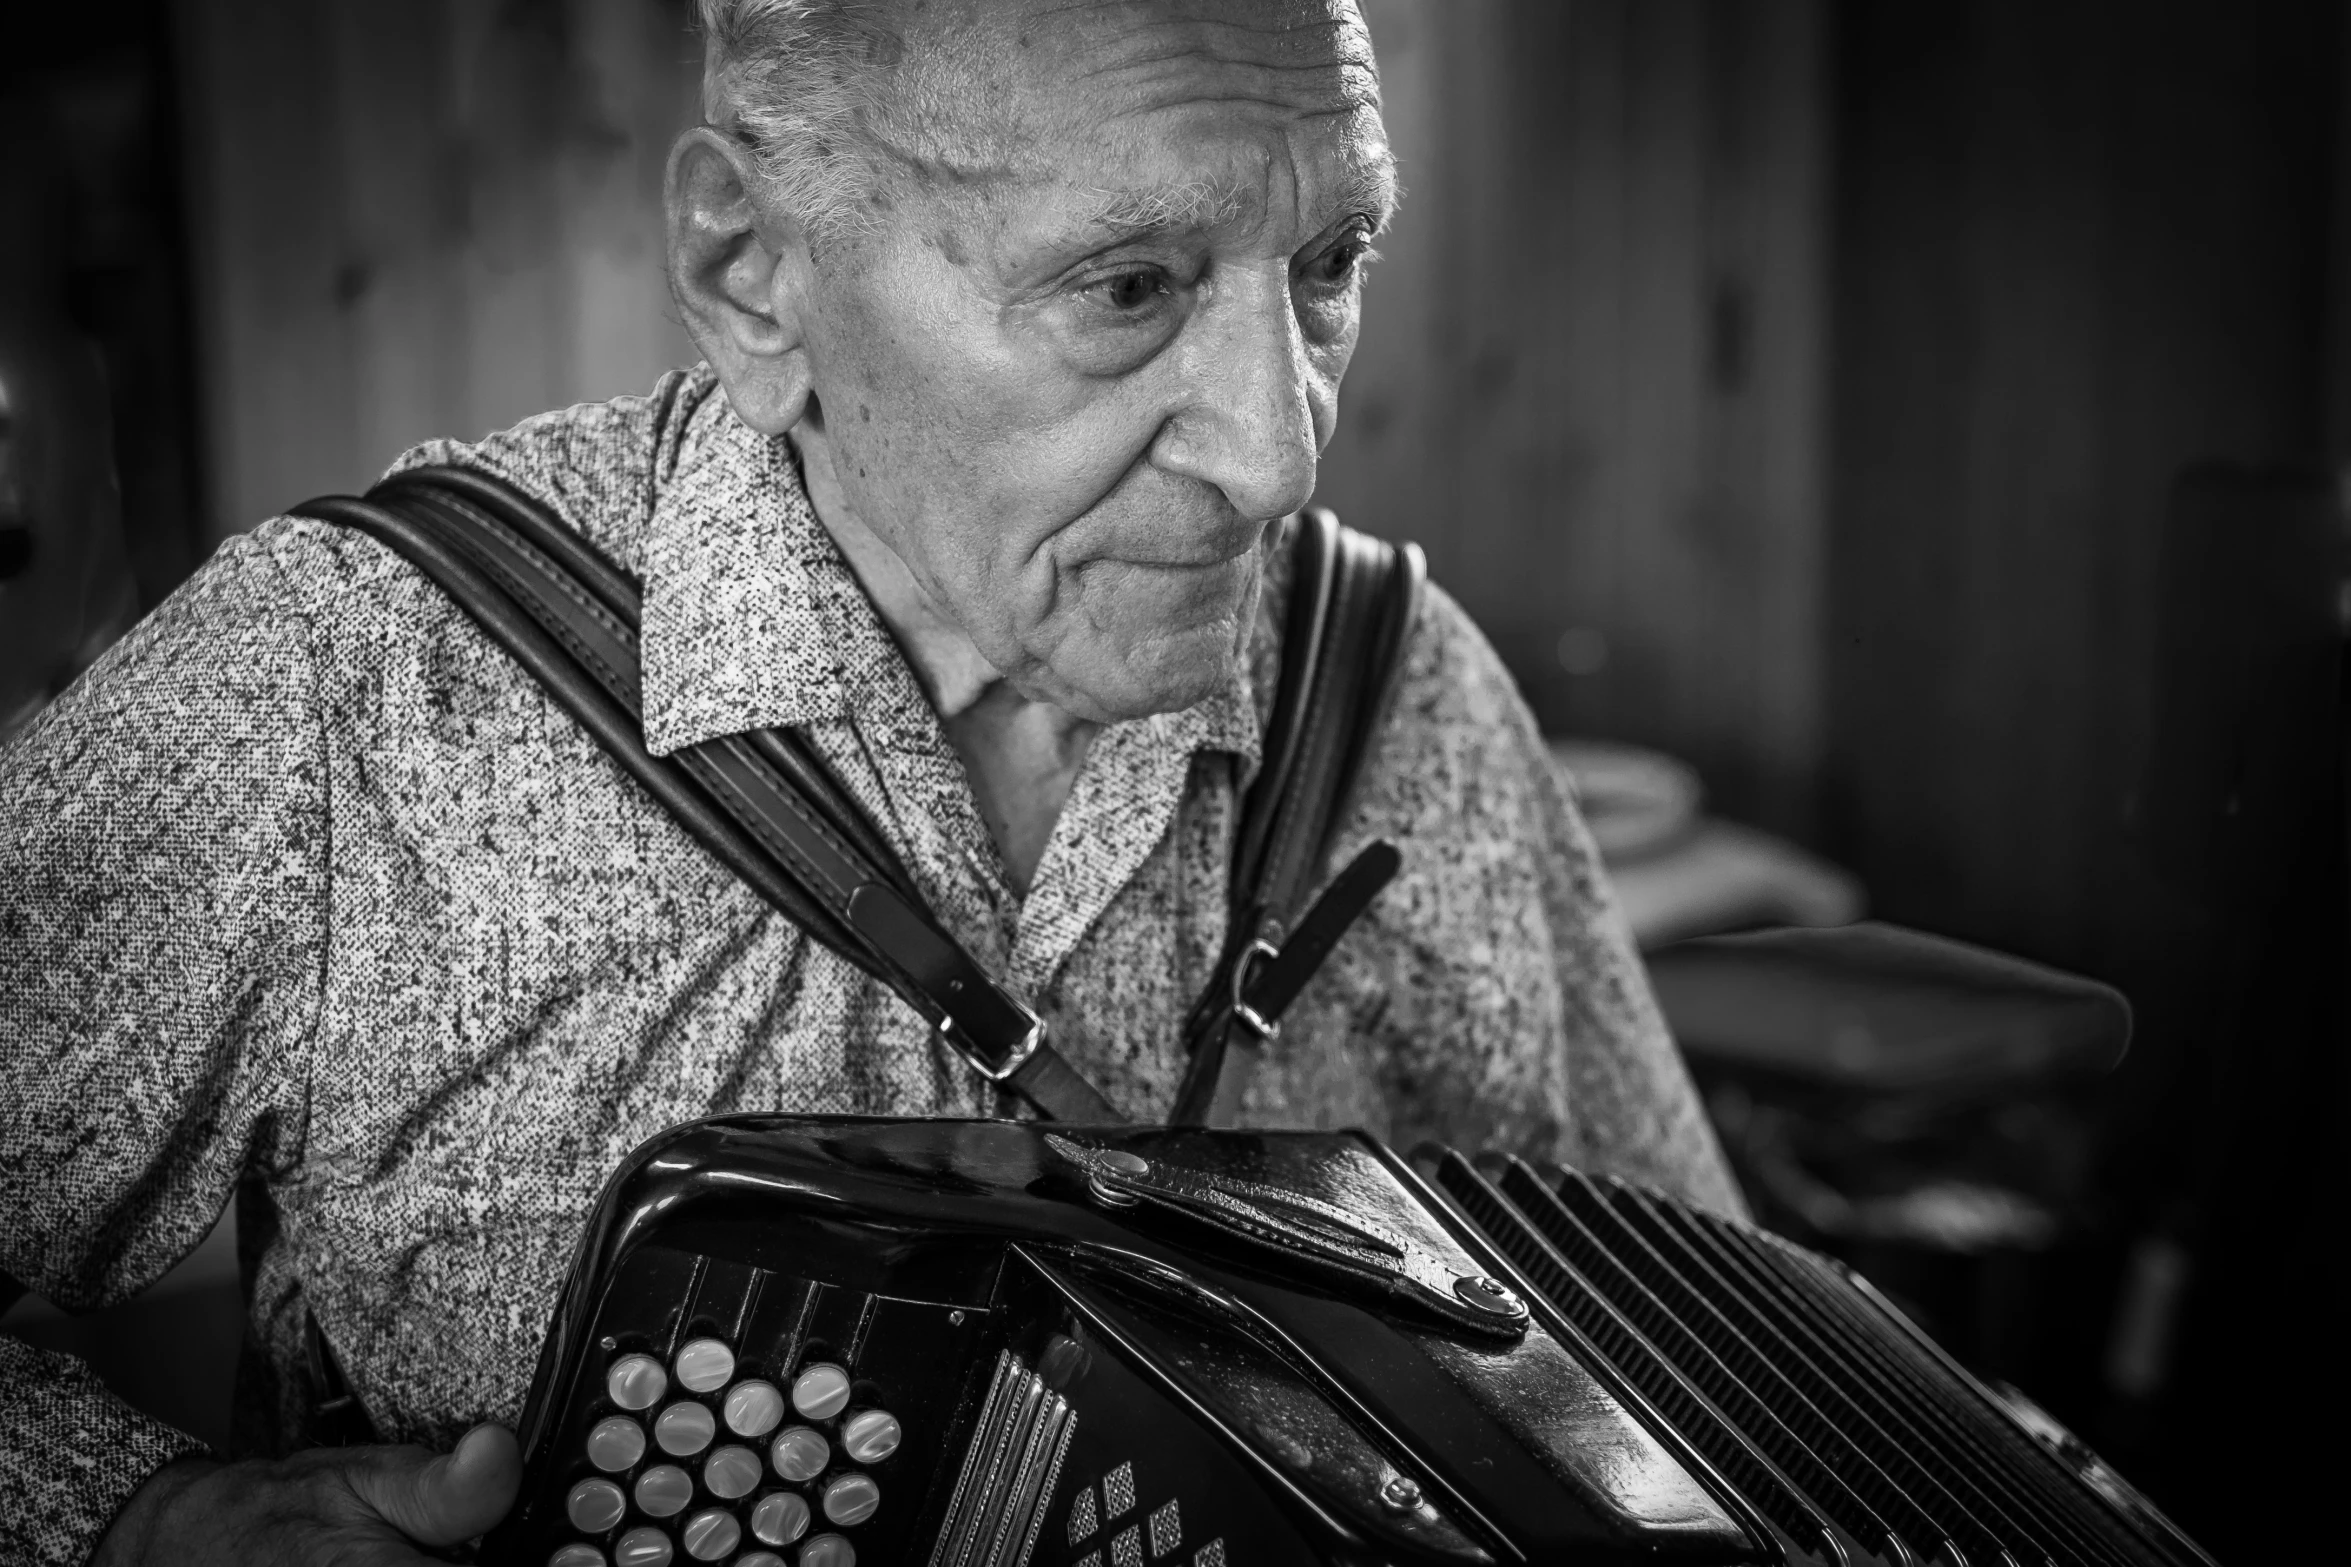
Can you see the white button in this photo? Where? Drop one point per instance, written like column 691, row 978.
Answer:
column 642, row 1548
column 594, row 1506
column 685, row 1429
column 801, row 1454
column 712, row 1533
column 576, row 1555
column 732, row 1471
column 828, row 1550
column 616, row 1443
column 759, row 1559
column 664, row 1489
column 851, row 1499
column 781, row 1518
column 753, row 1408
column 821, row 1391
column 704, row 1365
column 870, row 1436
column 636, row 1382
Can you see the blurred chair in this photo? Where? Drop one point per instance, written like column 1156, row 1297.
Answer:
column 1679, row 872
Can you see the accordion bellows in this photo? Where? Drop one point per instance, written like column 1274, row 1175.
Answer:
column 820, row 1341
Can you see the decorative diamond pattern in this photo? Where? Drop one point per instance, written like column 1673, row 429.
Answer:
column 1082, row 1522
column 1127, row 1549
column 1209, row 1555
column 1090, row 1559
column 1118, row 1492
column 1167, row 1530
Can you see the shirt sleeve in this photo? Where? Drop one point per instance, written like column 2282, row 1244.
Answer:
column 162, row 931
column 1512, row 1008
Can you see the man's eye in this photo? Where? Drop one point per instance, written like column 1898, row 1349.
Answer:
column 1341, row 264
column 1130, row 293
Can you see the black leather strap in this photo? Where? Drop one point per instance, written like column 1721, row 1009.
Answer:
column 1353, row 600
column 764, row 805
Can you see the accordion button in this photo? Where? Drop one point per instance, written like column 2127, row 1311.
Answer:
column 753, row 1408
column 821, row 1391
column 759, row 1559
column 664, row 1490
column 851, row 1499
column 594, row 1506
column 641, row 1547
column 780, row 1519
column 576, row 1554
column 636, row 1382
column 616, row 1443
column 801, row 1454
column 711, row 1534
column 828, row 1550
column 685, row 1429
column 705, row 1365
column 732, row 1472
column 870, row 1436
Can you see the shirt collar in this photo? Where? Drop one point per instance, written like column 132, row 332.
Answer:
column 738, row 577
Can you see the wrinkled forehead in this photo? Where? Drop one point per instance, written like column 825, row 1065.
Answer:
column 1136, row 95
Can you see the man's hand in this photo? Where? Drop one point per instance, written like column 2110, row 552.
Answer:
column 349, row 1506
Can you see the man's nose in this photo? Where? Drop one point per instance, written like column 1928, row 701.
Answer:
column 1247, row 424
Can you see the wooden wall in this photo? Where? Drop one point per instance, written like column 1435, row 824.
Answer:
column 1591, row 376
column 428, row 218
column 2080, row 247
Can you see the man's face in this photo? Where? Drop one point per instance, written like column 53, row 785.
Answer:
column 1092, row 349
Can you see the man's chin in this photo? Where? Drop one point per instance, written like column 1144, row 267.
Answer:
column 1159, row 679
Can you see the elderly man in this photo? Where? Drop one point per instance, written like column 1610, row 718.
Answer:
column 1024, row 322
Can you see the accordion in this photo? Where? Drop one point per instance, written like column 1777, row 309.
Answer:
column 824, row 1341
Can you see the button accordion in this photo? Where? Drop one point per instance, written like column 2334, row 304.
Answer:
column 824, row 1341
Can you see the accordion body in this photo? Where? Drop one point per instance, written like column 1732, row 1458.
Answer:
column 822, row 1341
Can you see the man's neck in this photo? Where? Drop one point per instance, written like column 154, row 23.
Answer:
column 1021, row 755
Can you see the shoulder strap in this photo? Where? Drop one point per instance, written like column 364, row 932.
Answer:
column 763, row 804
column 1353, row 601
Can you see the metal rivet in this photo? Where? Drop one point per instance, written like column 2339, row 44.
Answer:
column 1400, row 1494
column 1489, row 1295
column 1125, row 1163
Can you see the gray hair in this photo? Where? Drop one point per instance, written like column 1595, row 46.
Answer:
column 794, row 81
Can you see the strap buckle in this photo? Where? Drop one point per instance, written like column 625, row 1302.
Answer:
column 1267, row 1030
column 1032, row 1040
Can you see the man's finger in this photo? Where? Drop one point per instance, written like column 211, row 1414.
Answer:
column 446, row 1499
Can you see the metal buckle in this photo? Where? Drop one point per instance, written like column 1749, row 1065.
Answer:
column 1257, row 1024
column 1030, row 1042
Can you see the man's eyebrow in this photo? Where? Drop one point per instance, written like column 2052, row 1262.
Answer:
column 1195, row 204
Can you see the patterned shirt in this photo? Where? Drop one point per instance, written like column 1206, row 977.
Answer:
column 309, row 894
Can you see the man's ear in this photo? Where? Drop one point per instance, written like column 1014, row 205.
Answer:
column 739, row 278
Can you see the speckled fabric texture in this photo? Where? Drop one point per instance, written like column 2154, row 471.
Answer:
column 306, row 886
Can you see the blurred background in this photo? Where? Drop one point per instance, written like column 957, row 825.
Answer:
column 1900, row 448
